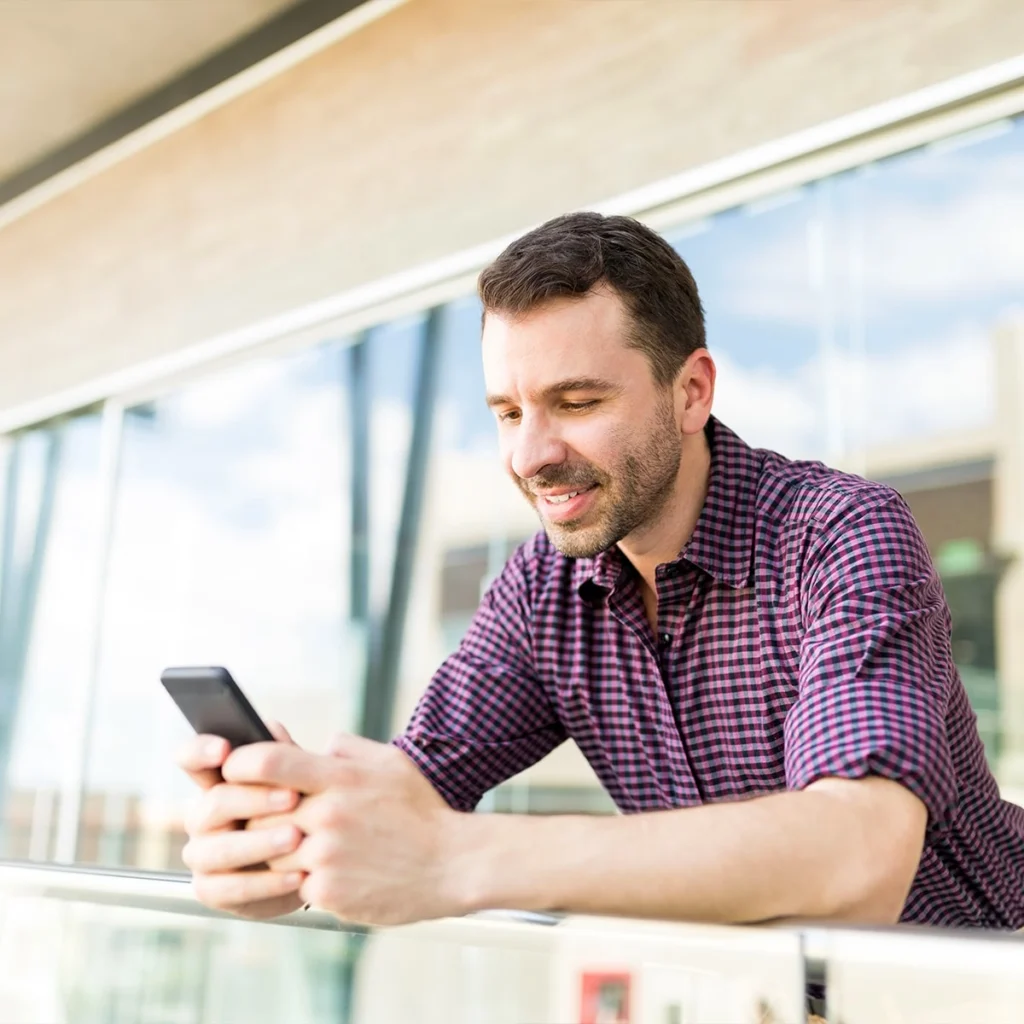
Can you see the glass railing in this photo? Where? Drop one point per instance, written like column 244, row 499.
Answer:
column 919, row 975
column 84, row 946
column 87, row 946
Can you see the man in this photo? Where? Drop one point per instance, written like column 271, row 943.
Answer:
column 752, row 653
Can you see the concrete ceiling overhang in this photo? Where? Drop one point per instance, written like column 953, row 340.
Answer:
column 76, row 77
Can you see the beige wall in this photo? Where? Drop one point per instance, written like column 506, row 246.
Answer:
column 447, row 123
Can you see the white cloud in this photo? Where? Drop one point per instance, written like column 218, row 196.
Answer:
column 225, row 397
column 767, row 408
column 927, row 248
column 925, row 388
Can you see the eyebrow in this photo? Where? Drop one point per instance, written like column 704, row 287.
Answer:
column 561, row 387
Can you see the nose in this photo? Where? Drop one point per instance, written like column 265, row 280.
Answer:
column 533, row 446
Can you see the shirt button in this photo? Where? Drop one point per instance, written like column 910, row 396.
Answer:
column 665, row 638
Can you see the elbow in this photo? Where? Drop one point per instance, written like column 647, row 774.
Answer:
column 877, row 880
column 869, row 881
column 878, row 900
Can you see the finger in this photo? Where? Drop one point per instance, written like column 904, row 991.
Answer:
column 265, row 821
column 293, row 861
column 262, row 910
column 284, row 767
column 280, row 733
column 202, row 758
column 232, row 851
column 245, row 890
column 323, row 850
column 226, row 804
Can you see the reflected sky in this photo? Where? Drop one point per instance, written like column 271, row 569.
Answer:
column 853, row 312
column 838, row 311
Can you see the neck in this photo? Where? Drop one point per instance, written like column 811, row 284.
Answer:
column 668, row 534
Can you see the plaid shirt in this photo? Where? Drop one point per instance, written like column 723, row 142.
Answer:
column 802, row 633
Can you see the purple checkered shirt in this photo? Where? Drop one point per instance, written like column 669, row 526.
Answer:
column 802, row 633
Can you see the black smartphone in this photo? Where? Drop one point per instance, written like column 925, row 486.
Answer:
column 213, row 703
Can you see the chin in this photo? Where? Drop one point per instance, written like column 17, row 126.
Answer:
column 579, row 543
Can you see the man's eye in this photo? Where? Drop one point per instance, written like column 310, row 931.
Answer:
column 579, row 406
column 508, row 417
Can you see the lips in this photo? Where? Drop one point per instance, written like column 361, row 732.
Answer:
column 567, row 505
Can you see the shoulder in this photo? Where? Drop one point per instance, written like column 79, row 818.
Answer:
column 830, row 526
column 816, row 496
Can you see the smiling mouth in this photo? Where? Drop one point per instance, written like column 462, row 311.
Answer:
column 561, row 499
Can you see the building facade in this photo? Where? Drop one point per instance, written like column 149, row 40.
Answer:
column 240, row 392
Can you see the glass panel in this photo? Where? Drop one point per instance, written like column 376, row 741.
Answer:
column 934, row 244
column 393, row 361
column 50, row 560
column 473, row 519
column 477, row 517
column 925, row 975
column 230, row 546
column 763, row 276
column 113, row 965
column 98, row 964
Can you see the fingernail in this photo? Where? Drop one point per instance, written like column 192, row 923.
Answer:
column 279, row 799
column 283, row 838
column 213, row 749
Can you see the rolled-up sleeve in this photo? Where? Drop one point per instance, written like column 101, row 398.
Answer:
column 876, row 670
column 485, row 716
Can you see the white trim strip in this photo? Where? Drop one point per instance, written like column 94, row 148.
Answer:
column 466, row 263
column 884, row 115
column 195, row 109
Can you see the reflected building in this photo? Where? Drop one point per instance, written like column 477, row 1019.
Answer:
column 319, row 504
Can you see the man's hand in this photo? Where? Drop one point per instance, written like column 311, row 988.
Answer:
column 229, row 866
column 376, row 832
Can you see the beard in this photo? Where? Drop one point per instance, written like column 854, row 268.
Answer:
column 631, row 495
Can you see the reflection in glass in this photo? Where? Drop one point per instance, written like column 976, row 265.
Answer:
column 114, row 965
column 760, row 274
column 229, row 548
column 257, row 512
column 51, row 504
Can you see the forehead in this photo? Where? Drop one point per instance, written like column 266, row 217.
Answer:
column 565, row 338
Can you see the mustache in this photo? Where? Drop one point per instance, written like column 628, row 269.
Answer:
column 573, row 477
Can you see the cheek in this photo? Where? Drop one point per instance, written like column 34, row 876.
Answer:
column 596, row 444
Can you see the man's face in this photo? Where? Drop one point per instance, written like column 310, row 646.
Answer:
column 586, row 433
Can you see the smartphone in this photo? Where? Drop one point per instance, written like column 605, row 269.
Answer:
column 213, row 703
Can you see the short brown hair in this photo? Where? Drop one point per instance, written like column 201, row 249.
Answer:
column 570, row 255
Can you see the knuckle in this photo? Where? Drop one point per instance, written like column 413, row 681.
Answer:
column 335, row 810
column 320, row 851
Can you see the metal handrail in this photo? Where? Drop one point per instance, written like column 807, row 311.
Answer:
column 172, row 893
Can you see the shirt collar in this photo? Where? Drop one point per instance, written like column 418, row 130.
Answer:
column 722, row 541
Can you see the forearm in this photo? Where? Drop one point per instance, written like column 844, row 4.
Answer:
column 798, row 854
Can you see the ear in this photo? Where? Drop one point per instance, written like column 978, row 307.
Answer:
column 694, row 389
